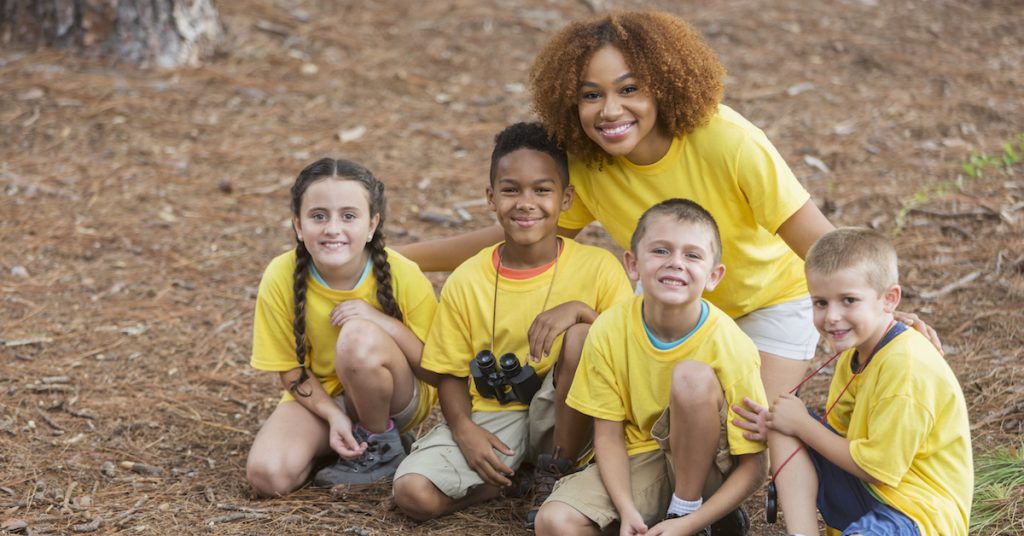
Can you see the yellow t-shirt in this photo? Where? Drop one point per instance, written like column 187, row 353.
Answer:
column 906, row 420
column 462, row 327
column 622, row 377
column 273, row 341
column 733, row 171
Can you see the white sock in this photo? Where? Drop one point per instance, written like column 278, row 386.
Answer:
column 680, row 507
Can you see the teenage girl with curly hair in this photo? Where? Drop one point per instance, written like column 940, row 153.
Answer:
column 342, row 320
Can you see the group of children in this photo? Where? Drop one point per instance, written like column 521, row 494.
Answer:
column 648, row 409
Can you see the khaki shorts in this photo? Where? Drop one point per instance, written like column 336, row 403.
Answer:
column 437, row 457
column 651, row 477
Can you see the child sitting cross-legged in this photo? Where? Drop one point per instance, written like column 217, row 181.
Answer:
column 519, row 311
column 893, row 456
column 659, row 374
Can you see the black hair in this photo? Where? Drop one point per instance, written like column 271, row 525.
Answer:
column 345, row 170
column 528, row 136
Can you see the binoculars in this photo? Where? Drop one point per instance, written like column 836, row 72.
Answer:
column 503, row 379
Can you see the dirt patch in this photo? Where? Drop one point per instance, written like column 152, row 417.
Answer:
column 139, row 208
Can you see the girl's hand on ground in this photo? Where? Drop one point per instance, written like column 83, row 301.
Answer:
column 478, row 446
column 787, row 415
column 349, row 309
column 342, row 440
column 753, row 416
column 914, row 321
column 632, row 523
column 548, row 326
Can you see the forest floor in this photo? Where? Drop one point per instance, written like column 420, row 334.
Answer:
column 138, row 209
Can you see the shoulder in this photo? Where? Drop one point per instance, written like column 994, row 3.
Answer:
column 471, row 272
column 402, row 267
column 281, row 268
column 722, row 331
column 616, row 318
column 725, row 132
column 587, row 254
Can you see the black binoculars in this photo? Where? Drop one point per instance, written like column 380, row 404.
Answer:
column 503, row 379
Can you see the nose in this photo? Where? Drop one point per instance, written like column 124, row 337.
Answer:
column 832, row 314
column 612, row 108
column 333, row 226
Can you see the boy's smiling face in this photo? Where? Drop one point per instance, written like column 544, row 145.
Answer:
column 674, row 261
column 527, row 196
column 848, row 311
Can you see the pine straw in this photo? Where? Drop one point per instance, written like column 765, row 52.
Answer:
column 144, row 206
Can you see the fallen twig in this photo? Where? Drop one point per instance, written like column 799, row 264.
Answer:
column 142, row 468
column 91, row 526
column 956, row 285
column 24, row 342
column 239, row 516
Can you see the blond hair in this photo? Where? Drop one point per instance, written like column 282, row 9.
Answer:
column 857, row 248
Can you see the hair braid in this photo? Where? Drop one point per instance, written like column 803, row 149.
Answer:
column 299, row 276
column 382, row 272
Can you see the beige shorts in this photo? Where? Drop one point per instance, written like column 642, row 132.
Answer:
column 651, row 477
column 437, row 457
column 403, row 418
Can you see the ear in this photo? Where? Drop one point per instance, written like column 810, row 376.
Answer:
column 715, row 277
column 489, row 194
column 891, row 298
column 297, row 227
column 629, row 261
column 568, row 194
column 374, row 222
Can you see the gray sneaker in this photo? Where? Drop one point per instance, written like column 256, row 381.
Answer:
column 378, row 463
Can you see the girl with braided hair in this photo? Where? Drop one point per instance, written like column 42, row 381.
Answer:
column 342, row 320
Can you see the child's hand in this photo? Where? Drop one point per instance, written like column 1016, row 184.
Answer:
column 753, row 419
column 912, row 320
column 669, row 527
column 478, row 446
column 632, row 523
column 788, row 415
column 342, row 440
column 549, row 325
column 349, row 309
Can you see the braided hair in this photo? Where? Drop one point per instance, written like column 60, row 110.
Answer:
column 344, row 170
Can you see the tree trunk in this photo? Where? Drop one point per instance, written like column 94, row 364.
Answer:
column 161, row 33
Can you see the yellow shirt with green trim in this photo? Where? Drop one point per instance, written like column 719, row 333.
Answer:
column 730, row 168
column 462, row 326
column 906, row 420
column 622, row 377
column 273, row 341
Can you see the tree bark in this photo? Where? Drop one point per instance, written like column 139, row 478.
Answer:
column 160, row 33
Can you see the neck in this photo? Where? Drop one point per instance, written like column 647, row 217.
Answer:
column 670, row 322
column 865, row 348
column 526, row 256
column 653, row 148
column 345, row 277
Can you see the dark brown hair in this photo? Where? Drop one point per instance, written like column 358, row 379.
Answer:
column 666, row 55
column 326, row 168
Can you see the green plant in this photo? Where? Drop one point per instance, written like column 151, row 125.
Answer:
column 998, row 490
column 975, row 167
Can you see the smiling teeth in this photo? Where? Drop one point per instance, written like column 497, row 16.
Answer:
column 617, row 130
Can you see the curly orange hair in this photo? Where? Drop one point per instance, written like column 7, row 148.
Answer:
column 666, row 55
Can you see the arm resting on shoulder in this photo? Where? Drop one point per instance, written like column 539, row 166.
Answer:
column 445, row 254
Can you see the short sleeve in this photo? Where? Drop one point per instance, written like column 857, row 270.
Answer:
column 449, row 348
column 768, row 183
column 273, row 339
column 594, row 389
column 418, row 302
column 578, row 216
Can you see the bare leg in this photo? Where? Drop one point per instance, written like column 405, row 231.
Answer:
column 558, row 518
column 572, row 428
column 797, row 495
column 377, row 378
column 420, row 499
column 282, row 454
column 694, row 409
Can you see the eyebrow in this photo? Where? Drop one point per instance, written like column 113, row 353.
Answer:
column 616, row 81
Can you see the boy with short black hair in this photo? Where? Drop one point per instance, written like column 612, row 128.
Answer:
column 894, row 456
column 660, row 374
column 534, row 296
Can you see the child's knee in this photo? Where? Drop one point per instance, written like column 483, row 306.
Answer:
column 572, row 349
column 558, row 518
column 417, row 497
column 267, row 478
column 359, row 344
column 694, row 383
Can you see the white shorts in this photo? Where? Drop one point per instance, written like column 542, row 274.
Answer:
column 785, row 329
